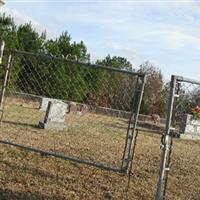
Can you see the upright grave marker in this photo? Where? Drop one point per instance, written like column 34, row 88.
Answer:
column 55, row 116
column 190, row 127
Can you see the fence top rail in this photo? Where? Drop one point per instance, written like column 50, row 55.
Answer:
column 77, row 62
column 187, row 80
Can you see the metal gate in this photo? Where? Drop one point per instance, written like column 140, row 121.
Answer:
column 104, row 105
column 183, row 104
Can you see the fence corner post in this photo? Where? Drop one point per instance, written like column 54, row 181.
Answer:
column 2, row 45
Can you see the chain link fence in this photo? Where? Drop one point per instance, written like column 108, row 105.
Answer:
column 70, row 109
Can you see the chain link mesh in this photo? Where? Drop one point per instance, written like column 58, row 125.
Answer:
column 99, row 100
column 186, row 107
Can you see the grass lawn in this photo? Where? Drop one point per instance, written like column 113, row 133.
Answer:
column 26, row 175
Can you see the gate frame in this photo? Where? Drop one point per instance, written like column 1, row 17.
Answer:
column 131, row 135
column 167, row 138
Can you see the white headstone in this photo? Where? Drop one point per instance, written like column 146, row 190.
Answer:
column 55, row 116
column 190, row 127
column 45, row 101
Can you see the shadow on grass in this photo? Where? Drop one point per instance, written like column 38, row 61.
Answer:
column 116, row 125
column 6, row 194
column 29, row 170
column 21, row 124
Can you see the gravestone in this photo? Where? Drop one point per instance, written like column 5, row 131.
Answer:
column 78, row 108
column 190, row 127
column 45, row 101
column 73, row 107
column 55, row 116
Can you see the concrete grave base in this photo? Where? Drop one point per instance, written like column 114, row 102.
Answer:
column 53, row 126
column 190, row 137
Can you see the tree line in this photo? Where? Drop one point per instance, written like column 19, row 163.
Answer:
column 59, row 79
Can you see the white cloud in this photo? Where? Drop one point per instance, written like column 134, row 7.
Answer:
column 173, row 25
column 20, row 18
column 139, row 31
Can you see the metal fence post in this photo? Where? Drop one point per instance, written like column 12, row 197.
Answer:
column 173, row 124
column 132, row 136
column 165, row 144
column 134, row 98
column 2, row 45
column 5, row 83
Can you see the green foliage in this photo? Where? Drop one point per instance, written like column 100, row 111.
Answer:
column 119, row 91
column 29, row 39
column 73, row 81
column 8, row 31
column 36, row 75
column 117, row 62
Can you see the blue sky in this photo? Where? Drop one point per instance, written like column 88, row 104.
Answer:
column 167, row 33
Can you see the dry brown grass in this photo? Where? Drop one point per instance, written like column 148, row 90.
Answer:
column 25, row 175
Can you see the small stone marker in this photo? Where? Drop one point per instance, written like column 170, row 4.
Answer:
column 78, row 108
column 73, row 107
column 55, row 116
column 190, row 127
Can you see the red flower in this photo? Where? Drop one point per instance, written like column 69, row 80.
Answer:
column 196, row 111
